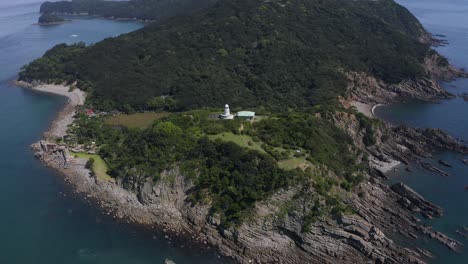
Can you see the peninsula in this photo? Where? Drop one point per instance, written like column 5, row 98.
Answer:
column 302, row 180
column 145, row 10
column 51, row 19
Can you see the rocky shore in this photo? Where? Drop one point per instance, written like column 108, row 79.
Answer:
column 268, row 239
column 274, row 233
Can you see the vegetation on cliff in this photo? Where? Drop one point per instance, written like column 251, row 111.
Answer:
column 50, row 19
column 228, row 176
column 276, row 54
column 133, row 9
column 286, row 58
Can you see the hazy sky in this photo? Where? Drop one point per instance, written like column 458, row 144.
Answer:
column 18, row 2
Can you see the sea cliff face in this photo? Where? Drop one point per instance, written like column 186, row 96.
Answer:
column 370, row 90
column 274, row 232
column 271, row 235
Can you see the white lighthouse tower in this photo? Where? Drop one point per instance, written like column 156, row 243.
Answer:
column 227, row 113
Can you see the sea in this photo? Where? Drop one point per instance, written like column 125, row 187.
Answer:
column 447, row 20
column 39, row 222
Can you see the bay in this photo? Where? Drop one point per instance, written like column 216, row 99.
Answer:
column 449, row 20
column 39, row 222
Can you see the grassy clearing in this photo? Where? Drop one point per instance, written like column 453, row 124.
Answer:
column 293, row 163
column 246, row 141
column 100, row 166
column 138, row 120
column 241, row 140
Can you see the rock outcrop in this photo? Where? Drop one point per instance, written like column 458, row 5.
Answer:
column 274, row 233
column 271, row 235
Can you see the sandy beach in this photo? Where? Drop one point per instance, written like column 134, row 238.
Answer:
column 366, row 109
column 363, row 108
column 65, row 117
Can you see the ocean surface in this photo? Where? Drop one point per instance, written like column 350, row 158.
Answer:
column 39, row 222
column 450, row 19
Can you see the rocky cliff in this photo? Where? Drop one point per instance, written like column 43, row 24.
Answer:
column 370, row 90
column 284, row 228
column 275, row 231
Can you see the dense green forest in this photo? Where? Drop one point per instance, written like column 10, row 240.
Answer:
column 133, row 9
column 50, row 19
column 275, row 54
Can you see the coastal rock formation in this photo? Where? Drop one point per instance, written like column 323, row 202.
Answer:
column 369, row 90
column 413, row 200
column 272, row 236
column 277, row 230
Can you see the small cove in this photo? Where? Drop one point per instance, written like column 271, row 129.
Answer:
column 448, row 20
column 40, row 222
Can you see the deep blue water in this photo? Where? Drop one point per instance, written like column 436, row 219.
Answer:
column 37, row 223
column 448, row 18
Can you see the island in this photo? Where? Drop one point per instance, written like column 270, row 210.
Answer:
column 145, row 10
column 248, row 127
column 51, row 19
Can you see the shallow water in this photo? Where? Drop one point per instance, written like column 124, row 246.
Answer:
column 448, row 18
column 38, row 224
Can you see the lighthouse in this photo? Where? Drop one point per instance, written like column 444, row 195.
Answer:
column 227, row 113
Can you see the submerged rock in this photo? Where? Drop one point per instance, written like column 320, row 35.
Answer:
column 432, row 168
column 413, row 199
column 168, row 261
column 446, row 164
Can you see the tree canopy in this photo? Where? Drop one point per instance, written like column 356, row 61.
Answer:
column 50, row 19
column 133, row 9
column 282, row 54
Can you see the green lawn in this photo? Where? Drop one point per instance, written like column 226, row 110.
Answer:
column 138, row 120
column 100, row 166
column 241, row 140
column 293, row 163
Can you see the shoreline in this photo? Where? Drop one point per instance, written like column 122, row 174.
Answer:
column 123, row 19
column 162, row 209
column 365, row 108
column 53, row 23
column 65, row 117
column 375, row 107
column 107, row 197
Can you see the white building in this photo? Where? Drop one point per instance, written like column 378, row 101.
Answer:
column 227, row 113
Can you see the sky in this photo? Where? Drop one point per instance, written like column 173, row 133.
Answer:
column 4, row 3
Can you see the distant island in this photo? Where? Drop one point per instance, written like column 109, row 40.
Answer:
column 148, row 10
column 51, row 19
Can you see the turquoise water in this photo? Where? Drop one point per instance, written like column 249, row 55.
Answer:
column 38, row 224
column 448, row 18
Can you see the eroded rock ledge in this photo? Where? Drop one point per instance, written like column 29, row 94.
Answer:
column 382, row 213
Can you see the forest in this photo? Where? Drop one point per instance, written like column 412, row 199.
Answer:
column 250, row 53
column 50, row 19
column 133, row 9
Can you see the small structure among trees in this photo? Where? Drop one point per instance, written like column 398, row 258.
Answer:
column 248, row 115
column 227, row 113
